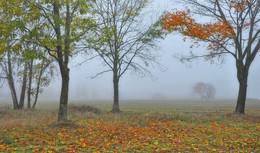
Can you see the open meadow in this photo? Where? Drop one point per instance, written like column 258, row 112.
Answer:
column 142, row 126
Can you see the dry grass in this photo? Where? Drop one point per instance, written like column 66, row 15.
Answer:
column 9, row 117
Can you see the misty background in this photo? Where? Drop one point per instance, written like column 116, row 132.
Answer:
column 175, row 82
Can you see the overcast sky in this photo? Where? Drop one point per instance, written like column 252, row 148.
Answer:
column 175, row 83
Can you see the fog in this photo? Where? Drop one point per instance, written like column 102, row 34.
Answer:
column 176, row 82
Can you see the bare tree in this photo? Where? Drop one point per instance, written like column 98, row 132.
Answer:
column 123, row 39
column 205, row 90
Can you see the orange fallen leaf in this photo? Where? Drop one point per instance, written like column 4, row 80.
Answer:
column 2, row 146
column 83, row 145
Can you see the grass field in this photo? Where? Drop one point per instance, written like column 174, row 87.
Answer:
column 147, row 126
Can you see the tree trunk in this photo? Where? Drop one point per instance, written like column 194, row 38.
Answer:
column 30, row 84
column 22, row 96
column 62, row 116
column 242, row 76
column 38, row 86
column 116, row 93
column 11, row 81
column 63, row 57
column 13, row 93
column 241, row 100
column 37, row 92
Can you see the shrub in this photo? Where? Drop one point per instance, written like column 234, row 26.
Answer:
column 84, row 108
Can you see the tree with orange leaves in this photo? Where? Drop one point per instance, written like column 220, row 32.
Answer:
column 234, row 30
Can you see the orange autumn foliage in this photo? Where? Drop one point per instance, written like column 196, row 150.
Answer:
column 239, row 6
column 182, row 22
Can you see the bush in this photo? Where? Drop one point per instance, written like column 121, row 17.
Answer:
column 84, row 108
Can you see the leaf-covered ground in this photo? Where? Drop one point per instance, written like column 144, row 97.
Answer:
column 130, row 131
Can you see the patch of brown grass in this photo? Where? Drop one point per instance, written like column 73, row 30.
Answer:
column 84, row 108
column 26, row 117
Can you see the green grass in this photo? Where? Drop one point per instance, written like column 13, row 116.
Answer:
column 140, row 127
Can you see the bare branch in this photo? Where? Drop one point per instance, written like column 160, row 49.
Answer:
column 100, row 73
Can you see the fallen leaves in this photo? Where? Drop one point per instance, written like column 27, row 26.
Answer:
column 147, row 132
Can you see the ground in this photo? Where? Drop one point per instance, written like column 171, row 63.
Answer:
column 165, row 126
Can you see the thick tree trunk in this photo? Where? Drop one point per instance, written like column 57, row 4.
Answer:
column 22, row 96
column 241, row 100
column 63, row 58
column 11, row 82
column 62, row 116
column 242, row 76
column 116, row 93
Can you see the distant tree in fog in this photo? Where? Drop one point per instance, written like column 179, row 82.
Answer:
column 205, row 90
